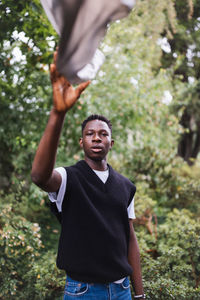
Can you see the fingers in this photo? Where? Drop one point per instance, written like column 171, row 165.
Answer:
column 52, row 68
column 55, row 55
column 54, row 75
column 57, row 77
column 81, row 87
column 53, row 71
column 58, row 99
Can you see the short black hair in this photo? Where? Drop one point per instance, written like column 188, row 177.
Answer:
column 96, row 117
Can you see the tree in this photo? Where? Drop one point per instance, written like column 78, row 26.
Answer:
column 26, row 41
column 130, row 89
column 183, row 61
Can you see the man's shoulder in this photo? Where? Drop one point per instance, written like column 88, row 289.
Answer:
column 73, row 166
column 79, row 167
column 121, row 177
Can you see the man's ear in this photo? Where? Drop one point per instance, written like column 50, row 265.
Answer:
column 81, row 142
column 111, row 144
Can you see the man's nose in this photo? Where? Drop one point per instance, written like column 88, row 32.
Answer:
column 96, row 137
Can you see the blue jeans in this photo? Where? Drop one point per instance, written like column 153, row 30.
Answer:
column 76, row 290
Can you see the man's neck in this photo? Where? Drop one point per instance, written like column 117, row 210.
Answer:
column 99, row 165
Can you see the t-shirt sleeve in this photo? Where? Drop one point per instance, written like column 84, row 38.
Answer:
column 58, row 197
column 131, row 210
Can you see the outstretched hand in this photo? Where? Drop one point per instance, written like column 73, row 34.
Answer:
column 64, row 95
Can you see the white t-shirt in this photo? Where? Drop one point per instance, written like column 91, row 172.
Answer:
column 58, row 197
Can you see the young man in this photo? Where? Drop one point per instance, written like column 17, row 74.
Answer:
column 98, row 247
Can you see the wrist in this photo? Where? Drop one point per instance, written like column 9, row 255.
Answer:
column 56, row 113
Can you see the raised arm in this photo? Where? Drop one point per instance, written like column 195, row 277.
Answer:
column 64, row 97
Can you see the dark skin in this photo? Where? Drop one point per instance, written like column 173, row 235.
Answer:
column 96, row 142
column 64, row 97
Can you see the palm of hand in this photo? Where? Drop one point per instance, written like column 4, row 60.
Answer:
column 64, row 95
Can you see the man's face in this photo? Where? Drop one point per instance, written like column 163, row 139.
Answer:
column 96, row 140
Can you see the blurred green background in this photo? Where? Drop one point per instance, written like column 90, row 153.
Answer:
column 149, row 88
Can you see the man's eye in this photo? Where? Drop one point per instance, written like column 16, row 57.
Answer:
column 104, row 134
column 89, row 133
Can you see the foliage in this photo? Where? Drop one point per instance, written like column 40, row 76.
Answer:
column 130, row 90
column 183, row 61
column 44, row 280
column 25, row 270
column 26, row 48
column 172, row 271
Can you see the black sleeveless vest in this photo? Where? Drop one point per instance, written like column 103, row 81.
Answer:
column 93, row 245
